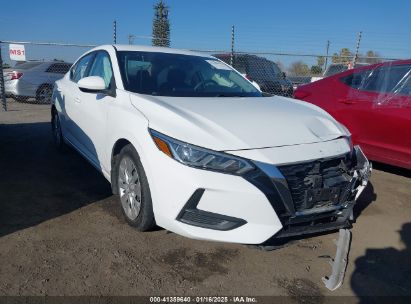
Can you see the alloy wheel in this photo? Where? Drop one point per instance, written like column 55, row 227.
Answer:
column 129, row 188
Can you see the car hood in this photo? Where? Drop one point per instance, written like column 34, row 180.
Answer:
column 238, row 123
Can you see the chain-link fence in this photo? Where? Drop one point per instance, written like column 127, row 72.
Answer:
column 281, row 73
column 31, row 81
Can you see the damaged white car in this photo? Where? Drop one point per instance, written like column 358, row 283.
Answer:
column 191, row 145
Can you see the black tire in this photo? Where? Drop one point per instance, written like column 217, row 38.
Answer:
column 144, row 221
column 43, row 94
column 56, row 131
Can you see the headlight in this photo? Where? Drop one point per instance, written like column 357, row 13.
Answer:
column 198, row 157
column 348, row 135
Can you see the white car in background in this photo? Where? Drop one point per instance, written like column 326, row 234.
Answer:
column 34, row 79
column 192, row 146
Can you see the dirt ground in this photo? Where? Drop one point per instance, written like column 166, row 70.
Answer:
column 62, row 233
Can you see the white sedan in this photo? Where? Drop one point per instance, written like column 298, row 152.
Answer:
column 190, row 145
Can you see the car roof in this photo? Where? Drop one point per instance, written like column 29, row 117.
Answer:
column 242, row 55
column 385, row 63
column 40, row 62
column 43, row 61
column 369, row 67
column 154, row 49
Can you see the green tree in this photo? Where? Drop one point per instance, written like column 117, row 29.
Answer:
column 344, row 56
column 318, row 69
column 320, row 61
column 371, row 57
column 161, row 25
column 299, row 68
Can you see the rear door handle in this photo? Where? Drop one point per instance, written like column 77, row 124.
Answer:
column 77, row 100
column 347, row 101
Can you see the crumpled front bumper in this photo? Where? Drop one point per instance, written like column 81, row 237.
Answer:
column 298, row 221
column 249, row 209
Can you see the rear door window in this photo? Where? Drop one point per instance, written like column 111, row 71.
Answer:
column 356, row 79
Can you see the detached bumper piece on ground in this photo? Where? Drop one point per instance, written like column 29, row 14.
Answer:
column 339, row 264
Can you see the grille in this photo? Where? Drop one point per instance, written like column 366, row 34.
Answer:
column 309, row 179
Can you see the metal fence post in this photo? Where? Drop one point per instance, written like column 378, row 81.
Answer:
column 326, row 56
column 232, row 46
column 2, row 89
column 115, row 32
column 356, row 50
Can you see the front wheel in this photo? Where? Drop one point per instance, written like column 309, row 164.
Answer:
column 133, row 189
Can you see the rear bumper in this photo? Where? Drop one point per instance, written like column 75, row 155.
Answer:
column 10, row 87
column 20, row 88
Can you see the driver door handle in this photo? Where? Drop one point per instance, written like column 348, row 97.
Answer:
column 77, row 100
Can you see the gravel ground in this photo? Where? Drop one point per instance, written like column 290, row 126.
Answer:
column 62, row 233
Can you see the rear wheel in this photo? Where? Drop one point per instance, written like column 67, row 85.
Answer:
column 133, row 189
column 43, row 94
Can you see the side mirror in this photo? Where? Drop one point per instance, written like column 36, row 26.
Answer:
column 284, row 75
column 92, row 84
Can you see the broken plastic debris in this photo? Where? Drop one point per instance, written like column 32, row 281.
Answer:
column 339, row 264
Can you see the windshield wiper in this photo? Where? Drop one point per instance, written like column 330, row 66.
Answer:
column 227, row 95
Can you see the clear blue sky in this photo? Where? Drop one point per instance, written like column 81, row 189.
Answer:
column 278, row 26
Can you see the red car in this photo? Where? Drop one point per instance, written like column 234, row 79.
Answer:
column 374, row 103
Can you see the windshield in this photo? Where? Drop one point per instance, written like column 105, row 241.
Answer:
column 262, row 69
column 164, row 74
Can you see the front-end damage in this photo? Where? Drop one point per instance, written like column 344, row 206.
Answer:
column 363, row 170
column 315, row 196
